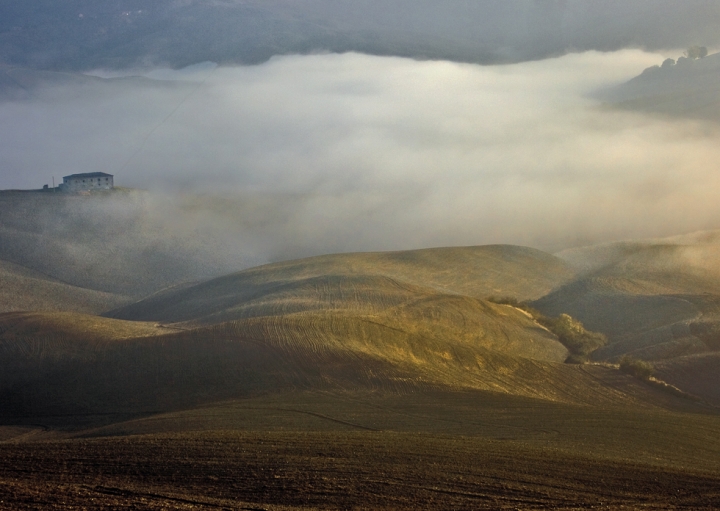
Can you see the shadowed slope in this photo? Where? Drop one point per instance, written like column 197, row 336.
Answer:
column 25, row 289
column 118, row 241
column 655, row 300
column 59, row 364
column 628, row 290
column 696, row 374
column 365, row 280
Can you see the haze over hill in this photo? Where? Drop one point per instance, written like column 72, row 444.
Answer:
column 22, row 289
column 306, row 155
column 658, row 300
column 122, row 243
column 686, row 88
column 355, row 281
column 260, row 322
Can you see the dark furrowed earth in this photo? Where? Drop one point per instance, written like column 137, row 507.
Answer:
column 354, row 451
column 341, row 470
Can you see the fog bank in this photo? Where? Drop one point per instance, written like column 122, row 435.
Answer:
column 328, row 153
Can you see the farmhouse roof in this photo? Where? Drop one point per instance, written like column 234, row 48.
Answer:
column 89, row 174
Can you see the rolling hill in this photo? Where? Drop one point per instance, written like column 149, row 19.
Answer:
column 387, row 375
column 369, row 281
column 392, row 321
column 61, row 364
column 338, row 322
column 121, row 242
column 23, row 289
column 687, row 88
column 656, row 300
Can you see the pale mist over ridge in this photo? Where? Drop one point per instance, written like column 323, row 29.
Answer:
column 307, row 155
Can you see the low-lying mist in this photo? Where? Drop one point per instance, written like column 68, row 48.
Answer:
column 313, row 154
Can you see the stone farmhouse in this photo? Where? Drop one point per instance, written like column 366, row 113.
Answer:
column 88, row 181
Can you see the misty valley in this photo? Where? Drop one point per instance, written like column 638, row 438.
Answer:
column 312, row 255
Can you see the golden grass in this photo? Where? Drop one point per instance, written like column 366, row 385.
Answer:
column 72, row 326
column 22, row 289
column 358, row 280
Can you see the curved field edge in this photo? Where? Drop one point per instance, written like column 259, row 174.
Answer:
column 471, row 271
column 260, row 355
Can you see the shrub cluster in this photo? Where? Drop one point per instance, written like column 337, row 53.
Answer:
column 569, row 331
column 637, row 368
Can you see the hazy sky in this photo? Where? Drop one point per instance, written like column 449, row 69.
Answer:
column 347, row 152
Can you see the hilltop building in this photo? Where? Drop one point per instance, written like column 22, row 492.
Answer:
column 88, row 181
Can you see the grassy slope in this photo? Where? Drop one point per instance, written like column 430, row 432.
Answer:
column 657, row 300
column 345, row 321
column 22, row 326
column 358, row 280
column 22, row 289
column 63, row 363
column 644, row 296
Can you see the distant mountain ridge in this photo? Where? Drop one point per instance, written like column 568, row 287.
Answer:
column 84, row 34
column 687, row 88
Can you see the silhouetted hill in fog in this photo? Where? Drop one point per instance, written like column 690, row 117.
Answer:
column 84, row 34
column 119, row 242
column 687, row 88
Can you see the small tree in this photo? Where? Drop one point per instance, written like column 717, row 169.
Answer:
column 571, row 332
column 696, row 52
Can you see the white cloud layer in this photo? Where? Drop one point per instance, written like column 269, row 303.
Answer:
column 350, row 152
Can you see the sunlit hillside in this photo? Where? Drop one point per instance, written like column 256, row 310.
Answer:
column 22, row 289
column 392, row 322
column 364, row 281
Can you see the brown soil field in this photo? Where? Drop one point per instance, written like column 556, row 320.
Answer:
column 371, row 451
column 696, row 374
